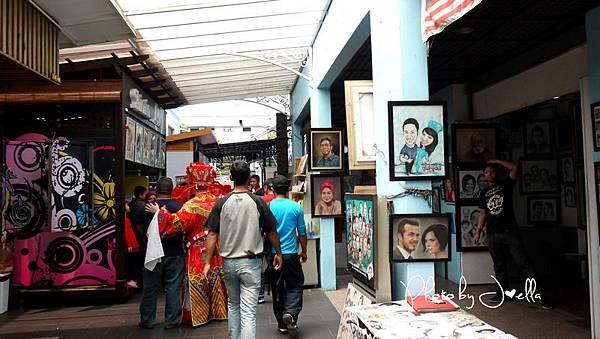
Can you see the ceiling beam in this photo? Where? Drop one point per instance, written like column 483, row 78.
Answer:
column 248, row 81
column 144, row 72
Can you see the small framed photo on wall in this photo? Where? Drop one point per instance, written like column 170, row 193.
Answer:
column 542, row 210
column 467, row 217
column 569, row 194
column 595, row 109
column 417, row 136
column 539, row 176
column 474, row 143
column 537, row 138
column 568, row 170
column 326, row 195
column 325, row 147
column 419, row 237
column 471, row 182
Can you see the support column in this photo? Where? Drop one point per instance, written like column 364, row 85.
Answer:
column 320, row 117
column 399, row 73
column 591, row 94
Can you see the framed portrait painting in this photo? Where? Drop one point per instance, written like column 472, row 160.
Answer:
column 147, row 146
column 569, row 194
column 467, row 217
column 595, row 109
column 471, row 182
column 325, row 149
column 130, row 139
column 360, row 124
column 420, row 237
column 326, row 195
column 474, row 143
column 360, row 233
column 139, row 143
column 568, row 170
column 417, row 136
column 537, row 138
column 542, row 210
column 539, row 176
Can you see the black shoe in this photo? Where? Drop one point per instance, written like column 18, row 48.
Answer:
column 290, row 323
column 497, row 298
column 145, row 326
column 282, row 329
column 170, row 326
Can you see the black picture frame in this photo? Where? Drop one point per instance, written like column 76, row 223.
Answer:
column 543, row 210
column 436, row 204
column 427, row 165
column 361, row 221
column 425, row 221
column 314, row 139
column 469, row 183
column 316, row 181
column 570, row 195
column 567, row 166
column 466, row 218
column 474, row 143
column 537, row 135
column 534, row 181
column 595, row 113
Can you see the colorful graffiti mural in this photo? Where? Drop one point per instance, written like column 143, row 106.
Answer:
column 74, row 244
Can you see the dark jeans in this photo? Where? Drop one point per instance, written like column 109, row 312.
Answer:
column 501, row 245
column 134, row 263
column 170, row 269
column 286, row 285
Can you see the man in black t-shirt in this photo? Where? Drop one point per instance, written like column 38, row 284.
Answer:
column 497, row 216
column 170, row 269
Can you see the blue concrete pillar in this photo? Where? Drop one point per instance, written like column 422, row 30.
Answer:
column 320, row 117
column 592, row 28
column 399, row 73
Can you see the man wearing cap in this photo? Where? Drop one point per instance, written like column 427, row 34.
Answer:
column 237, row 220
column 287, row 284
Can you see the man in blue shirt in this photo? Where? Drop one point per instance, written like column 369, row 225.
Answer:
column 287, row 283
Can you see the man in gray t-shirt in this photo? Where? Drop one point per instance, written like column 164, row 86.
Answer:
column 238, row 220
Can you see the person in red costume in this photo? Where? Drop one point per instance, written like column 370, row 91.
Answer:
column 205, row 296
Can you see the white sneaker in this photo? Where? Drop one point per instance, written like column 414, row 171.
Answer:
column 290, row 323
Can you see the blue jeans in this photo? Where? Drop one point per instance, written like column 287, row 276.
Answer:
column 287, row 285
column 171, row 270
column 242, row 279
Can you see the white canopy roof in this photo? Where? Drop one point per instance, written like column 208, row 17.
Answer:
column 227, row 49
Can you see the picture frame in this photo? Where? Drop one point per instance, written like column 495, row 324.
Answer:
column 448, row 191
column 130, row 139
column 139, row 143
column 361, row 240
column 474, row 142
column 313, row 228
column 326, row 195
column 408, row 158
column 595, row 110
column 360, row 124
column 538, row 176
column 542, row 210
column 536, row 138
column 147, row 146
column 325, row 149
column 415, row 231
column 567, row 170
column 570, row 195
column 301, row 168
column 470, row 181
column 466, row 219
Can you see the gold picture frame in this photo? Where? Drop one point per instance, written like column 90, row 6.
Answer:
column 360, row 124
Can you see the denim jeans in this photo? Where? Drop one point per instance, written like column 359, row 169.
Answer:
column 287, row 285
column 242, row 279
column 501, row 245
column 171, row 270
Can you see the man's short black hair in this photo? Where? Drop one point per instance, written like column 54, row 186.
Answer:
column 164, row 186
column 255, row 176
column 240, row 172
column 411, row 121
column 138, row 190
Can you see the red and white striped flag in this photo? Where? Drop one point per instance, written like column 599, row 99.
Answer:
column 438, row 14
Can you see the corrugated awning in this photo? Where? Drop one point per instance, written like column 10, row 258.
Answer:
column 220, row 50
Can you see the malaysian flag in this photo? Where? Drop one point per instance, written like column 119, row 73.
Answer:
column 437, row 14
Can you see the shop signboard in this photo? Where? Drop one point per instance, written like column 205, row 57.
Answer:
column 139, row 104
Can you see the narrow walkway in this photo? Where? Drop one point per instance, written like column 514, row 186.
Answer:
column 319, row 319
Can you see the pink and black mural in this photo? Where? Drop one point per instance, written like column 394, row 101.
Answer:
column 61, row 212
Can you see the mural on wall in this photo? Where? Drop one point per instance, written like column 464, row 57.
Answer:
column 77, row 246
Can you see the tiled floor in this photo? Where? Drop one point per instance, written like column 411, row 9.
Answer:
column 319, row 319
